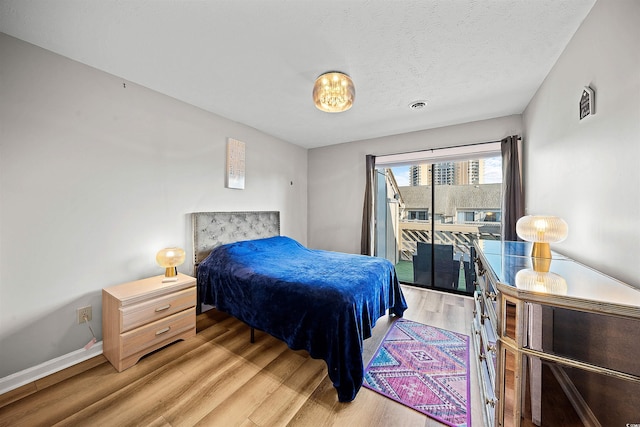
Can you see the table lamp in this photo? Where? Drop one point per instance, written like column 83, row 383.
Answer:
column 541, row 230
column 170, row 259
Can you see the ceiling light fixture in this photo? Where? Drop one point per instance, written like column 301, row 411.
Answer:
column 334, row 92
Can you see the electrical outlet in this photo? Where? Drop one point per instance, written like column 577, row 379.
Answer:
column 82, row 312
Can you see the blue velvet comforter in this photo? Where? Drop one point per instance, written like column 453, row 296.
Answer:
column 321, row 301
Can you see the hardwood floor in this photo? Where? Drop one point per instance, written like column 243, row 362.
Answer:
column 220, row 378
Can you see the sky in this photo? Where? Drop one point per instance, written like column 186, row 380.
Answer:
column 492, row 172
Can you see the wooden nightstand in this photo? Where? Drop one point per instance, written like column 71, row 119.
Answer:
column 142, row 316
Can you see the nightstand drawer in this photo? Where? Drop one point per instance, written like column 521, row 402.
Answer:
column 149, row 335
column 137, row 315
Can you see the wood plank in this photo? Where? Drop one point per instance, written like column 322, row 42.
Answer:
column 17, row 394
column 219, row 375
column 138, row 403
column 53, row 404
column 239, row 405
column 281, row 406
column 320, row 409
column 69, row 372
column 216, row 384
column 371, row 408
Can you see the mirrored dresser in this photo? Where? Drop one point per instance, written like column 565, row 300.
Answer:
column 558, row 342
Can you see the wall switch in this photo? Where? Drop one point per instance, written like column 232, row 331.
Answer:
column 82, row 312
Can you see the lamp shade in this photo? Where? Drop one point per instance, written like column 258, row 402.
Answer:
column 543, row 229
column 534, row 281
column 334, row 92
column 170, row 258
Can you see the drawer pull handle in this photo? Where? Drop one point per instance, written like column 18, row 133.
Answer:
column 482, row 357
column 166, row 307
column 163, row 331
column 491, row 295
column 492, row 348
column 484, row 317
column 491, row 402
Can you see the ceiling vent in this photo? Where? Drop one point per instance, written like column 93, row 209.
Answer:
column 417, row 105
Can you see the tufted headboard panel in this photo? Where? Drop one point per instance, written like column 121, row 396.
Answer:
column 212, row 229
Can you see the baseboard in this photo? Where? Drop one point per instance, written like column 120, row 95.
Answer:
column 49, row 367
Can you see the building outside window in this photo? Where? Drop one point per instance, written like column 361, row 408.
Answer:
column 418, row 215
column 442, row 206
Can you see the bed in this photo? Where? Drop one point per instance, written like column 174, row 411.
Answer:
column 324, row 302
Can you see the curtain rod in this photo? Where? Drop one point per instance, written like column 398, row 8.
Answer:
column 445, row 148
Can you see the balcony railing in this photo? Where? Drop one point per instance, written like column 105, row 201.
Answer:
column 458, row 235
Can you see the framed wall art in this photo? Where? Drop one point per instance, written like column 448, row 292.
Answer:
column 235, row 164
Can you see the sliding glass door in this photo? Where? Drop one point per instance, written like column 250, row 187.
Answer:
column 439, row 208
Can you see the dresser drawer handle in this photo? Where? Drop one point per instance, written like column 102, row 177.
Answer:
column 491, row 402
column 491, row 295
column 166, row 307
column 163, row 331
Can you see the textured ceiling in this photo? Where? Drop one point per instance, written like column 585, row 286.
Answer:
column 255, row 61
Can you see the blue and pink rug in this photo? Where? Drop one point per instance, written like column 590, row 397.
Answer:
column 424, row 368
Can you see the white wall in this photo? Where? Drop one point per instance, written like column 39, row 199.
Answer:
column 95, row 178
column 337, row 175
column 588, row 171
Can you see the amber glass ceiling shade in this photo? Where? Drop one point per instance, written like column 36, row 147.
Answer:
column 334, row 92
column 170, row 259
column 541, row 230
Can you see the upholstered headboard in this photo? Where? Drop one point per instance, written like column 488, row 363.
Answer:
column 212, row 229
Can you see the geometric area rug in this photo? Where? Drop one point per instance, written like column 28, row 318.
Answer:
column 424, row 368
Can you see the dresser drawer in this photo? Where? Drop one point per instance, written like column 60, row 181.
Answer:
column 489, row 349
column 490, row 308
column 149, row 335
column 489, row 399
column 487, row 292
column 139, row 314
column 485, row 377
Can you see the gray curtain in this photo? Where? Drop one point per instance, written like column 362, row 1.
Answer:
column 512, row 191
column 366, row 238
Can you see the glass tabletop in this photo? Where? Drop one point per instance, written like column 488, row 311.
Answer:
column 512, row 265
column 500, row 247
